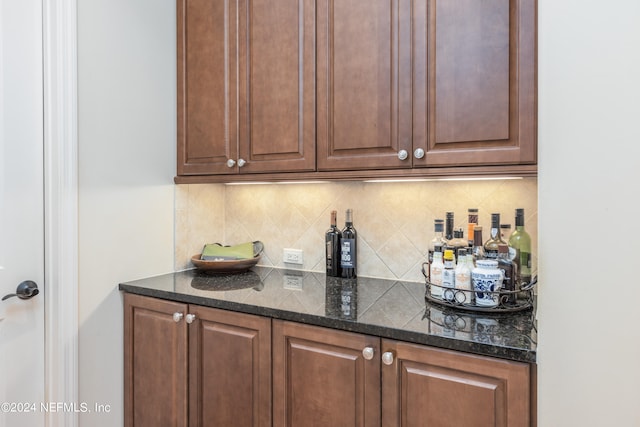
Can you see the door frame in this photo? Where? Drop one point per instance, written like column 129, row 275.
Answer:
column 59, row 34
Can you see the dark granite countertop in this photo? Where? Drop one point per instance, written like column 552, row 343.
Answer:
column 385, row 308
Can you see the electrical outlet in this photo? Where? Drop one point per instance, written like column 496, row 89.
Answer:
column 292, row 256
column 292, row 282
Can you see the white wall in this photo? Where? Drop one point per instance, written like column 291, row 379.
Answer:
column 127, row 116
column 589, row 180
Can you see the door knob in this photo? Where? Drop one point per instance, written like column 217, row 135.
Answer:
column 25, row 290
column 367, row 353
column 190, row 318
column 419, row 153
column 387, row 357
column 241, row 162
column 402, row 154
column 231, row 163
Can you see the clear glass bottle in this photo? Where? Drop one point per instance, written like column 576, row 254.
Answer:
column 520, row 249
column 448, row 275
column 505, row 231
column 348, row 247
column 491, row 246
column 463, row 278
column 438, row 242
column 435, row 274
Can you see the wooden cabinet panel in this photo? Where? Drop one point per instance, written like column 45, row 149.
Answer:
column 364, row 84
column 320, row 377
column 229, row 369
column 155, row 363
column 207, row 86
column 427, row 386
column 475, row 84
column 277, row 85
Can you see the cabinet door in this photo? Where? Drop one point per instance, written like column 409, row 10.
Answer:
column 277, row 85
column 474, row 82
column 320, row 377
column 207, row 86
column 229, row 369
column 364, row 84
column 425, row 386
column 155, row 363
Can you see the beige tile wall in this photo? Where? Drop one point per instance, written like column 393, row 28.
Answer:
column 394, row 220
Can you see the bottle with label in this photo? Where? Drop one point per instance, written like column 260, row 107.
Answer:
column 457, row 243
column 438, row 242
column 448, row 231
column 435, row 274
column 509, row 270
column 478, row 248
column 491, row 245
column 332, row 246
column 448, row 276
column 471, row 224
column 520, row 249
column 348, row 247
column 463, row 278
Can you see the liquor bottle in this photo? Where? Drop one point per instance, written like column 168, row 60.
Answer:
column 438, row 242
column 448, row 231
column 457, row 243
column 510, row 270
column 435, row 274
column 348, row 247
column 448, row 276
column 478, row 248
column 332, row 244
column 463, row 278
column 520, row 249
column 505, row 231
column 491, row 245
column 471, row 224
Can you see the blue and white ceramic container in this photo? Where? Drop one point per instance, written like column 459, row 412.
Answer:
column 487, row 281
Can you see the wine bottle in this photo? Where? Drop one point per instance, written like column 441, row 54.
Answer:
column 478, row 248
column 348, row 247
column 520, row 249
column 491, row 246
column 448, row 231
column 332, row 243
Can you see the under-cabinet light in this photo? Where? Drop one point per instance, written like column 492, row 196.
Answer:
column 487, row 178
column 275, row 182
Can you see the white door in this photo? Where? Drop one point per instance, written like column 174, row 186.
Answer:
column 21, row 214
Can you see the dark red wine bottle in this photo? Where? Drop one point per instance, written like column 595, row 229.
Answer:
column 332, row 244
column 348, row 247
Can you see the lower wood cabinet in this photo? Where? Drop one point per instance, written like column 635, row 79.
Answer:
column 187, row 365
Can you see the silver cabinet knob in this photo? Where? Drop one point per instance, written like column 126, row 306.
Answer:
column 241, row 163
column 387, row 357
column 418, row 153
column 402, row 154
column 231, row 163
column 367, row 353
column 177, row 317
column 190, row 318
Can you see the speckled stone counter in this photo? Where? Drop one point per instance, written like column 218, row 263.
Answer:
column 384, row 308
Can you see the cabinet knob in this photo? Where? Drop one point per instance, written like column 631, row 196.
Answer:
column 418, row 153
column 231, row 163
column 387, row 357
column 402, row 154
column 190, row 318
column 177, row 317
column 367, row 353
column 241, row 163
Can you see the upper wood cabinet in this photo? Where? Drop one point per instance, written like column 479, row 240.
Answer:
column 246, row 86
column 355, row 89
column 364, row 84
column 474, row 82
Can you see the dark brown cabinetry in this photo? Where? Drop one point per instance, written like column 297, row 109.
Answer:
column 246, row 86
column 327, row 377
column 187, row 365
column 355, row 89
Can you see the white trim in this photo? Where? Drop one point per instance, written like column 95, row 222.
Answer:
column 61, row 207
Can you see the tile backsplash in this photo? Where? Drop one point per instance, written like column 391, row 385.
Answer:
column 394, row 220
